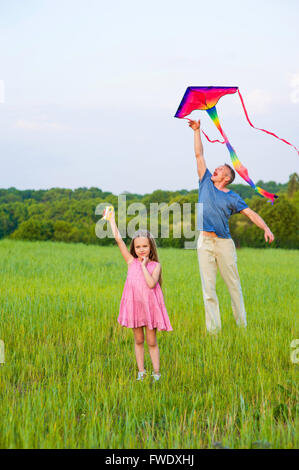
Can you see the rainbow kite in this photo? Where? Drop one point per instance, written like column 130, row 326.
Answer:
column 206, row 98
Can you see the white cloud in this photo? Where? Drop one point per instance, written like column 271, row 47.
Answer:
column 258, row 101
column 39, row 125
column 294, row 84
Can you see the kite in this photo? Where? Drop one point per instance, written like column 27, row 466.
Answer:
column 206, row 98
column 108, row 212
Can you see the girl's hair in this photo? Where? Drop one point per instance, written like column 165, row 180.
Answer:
column 153, row 255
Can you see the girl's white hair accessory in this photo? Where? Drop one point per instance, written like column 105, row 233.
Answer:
column 142, row 233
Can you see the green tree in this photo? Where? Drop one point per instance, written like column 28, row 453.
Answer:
column 34, row 229
column 293, row 184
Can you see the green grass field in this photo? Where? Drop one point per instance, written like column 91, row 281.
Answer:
column 69, row 375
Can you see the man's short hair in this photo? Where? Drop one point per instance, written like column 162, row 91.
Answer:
column 232, row 173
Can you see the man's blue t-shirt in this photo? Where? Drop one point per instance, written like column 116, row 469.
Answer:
column 217, row 207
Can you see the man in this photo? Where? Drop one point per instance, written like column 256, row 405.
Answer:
column 215, row 247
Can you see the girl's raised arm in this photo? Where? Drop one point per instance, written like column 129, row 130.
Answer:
column 121, row 244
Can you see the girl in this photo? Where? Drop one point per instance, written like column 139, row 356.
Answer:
column 142, row 304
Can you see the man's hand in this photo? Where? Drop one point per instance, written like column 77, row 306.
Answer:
column 269, row 237
column 195, row 125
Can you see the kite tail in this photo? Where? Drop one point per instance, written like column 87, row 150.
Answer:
column 263, row 130
column 240, row 169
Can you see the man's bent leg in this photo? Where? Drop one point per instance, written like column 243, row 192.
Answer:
column 226, row 257
column 208, row 271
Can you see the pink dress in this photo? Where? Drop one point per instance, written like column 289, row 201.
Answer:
column 140, row 305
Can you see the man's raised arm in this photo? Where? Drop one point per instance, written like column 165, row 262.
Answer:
column 198, row 149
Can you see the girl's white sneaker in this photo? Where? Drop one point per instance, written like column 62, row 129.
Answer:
column 156, row 377
column 141, row 375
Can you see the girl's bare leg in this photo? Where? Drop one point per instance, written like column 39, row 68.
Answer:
column 139, row 347
column 153, row 348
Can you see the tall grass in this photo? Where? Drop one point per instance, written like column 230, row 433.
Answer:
column 69, row 375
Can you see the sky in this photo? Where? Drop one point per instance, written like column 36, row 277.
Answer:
column 89, row 89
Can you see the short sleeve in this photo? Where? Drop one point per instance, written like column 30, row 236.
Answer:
column 207, row 175
column 239, row 204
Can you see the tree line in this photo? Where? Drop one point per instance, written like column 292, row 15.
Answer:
column 67, row 215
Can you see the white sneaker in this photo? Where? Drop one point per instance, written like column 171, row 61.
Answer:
column 156, row 377
column 141, row 375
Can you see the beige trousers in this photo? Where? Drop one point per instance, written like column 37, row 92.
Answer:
column 219, row 253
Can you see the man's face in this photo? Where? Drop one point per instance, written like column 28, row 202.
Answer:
column 221, row 174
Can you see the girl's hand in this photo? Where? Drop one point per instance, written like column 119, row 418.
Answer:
column 145, row 260
column 112, row 216
column 109, row 214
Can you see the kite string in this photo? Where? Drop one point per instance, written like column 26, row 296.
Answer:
column 212, row 141
column 263, row 130
column 206, row 136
